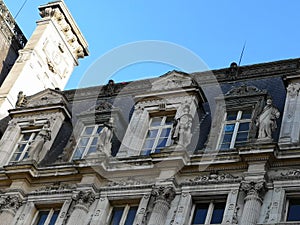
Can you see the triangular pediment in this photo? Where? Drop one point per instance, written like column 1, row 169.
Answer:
column 173, row 80
column 45, row 98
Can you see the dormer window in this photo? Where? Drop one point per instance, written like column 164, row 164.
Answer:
column 23, row 145
column 88, row 141
column 236, row 128
column 158, row 135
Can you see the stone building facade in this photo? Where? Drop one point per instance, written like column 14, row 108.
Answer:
column 216, row 147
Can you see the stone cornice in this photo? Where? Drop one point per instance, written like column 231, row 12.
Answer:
column 58, row 11
column 10, row 28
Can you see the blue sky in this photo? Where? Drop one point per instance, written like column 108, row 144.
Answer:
column 214, row 30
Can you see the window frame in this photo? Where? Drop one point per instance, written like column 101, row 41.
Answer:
column 124, row 213
column 160, row 127
column 210, row 211
column 236, row 122
column 49, row 216
column 90, row 137
column 27, row 143
column 287, row 208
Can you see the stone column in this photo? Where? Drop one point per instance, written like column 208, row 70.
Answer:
column 164, row 196
column 9, row 207
column 253, row 201
column 83, row 201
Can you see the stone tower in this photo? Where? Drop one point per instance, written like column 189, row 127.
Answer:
column 47, row 59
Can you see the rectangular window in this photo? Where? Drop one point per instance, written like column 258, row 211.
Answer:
column 123, row 215
column 23, row 145
column 293, row 209
column 207, row 213
column 235, row 129
column 158, row 135
column 87, row 142
column 47, row 217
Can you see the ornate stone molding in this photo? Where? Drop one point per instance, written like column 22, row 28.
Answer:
column 55, row 13
column 213, row 178
column 84, row 199
column 244, row 90
column 8, row 202
column 254, row 189
column 165, row 194
column 293, row 89
column 10, row 28
column 288, row 175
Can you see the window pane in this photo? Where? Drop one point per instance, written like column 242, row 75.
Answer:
column 218, row 212
column 42, row 217
column 244, row 126
column 294, row 211
column 200, row 213
column 54, row 218
column 246, row 114
column 165, row 132
column 78, row 152
column 152, row 133
column 227, row 138
column 225, row 146
column 162, row 142
column 148, row 144
column 88, row 130
column 146, row 152
column 116, row 215
column 156, row 121
column 99, row 130
column 131, row 215
column 231, row 115
column 229, row 128
column 26, row 136
column 95, row 140
column 92, row 149
column 242, row 137
column 83, row 141
column 169, row 121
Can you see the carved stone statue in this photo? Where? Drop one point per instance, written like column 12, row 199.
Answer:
column 22, row 100
column 266, row 121
column 182, row 133
column 105, row 136
column 37, row 145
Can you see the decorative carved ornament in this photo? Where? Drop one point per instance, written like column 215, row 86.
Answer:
column 172, row 80
column 166, row 194
column 213, row 178
column 244, row 90
column 10, row 202
column 288, row 175
column 254, row 188
column 70, row 35
column 293, row 89
column 85, row 199
column 130, row 181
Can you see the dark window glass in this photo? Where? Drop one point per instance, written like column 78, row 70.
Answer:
column 54, row 218
column 247, row 114
column 200, row 213
column 131, row 215
column 231, row 115
column 218, row 212
column 244, row 126
column 116, row 215
column 294, row 210
column 42, row 217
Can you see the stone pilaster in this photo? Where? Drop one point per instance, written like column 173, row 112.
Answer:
column 101, row 212
column 290, row 128
column 253, row 201
column 184, row 209
column 230, row 214
column 142, row 211
column 83, row 201
column 164, row 197
column 9, row 207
